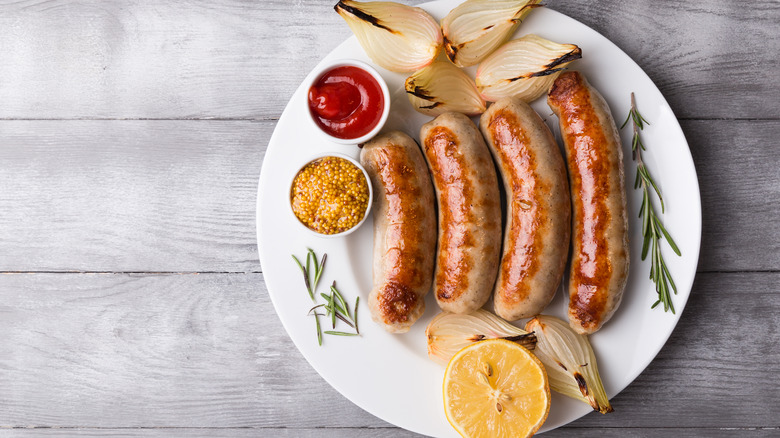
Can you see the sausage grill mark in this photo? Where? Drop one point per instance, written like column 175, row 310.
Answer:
column 536, row 235
column 467, row 193
column 456, row 197
column 400, row 191
column 520, row 261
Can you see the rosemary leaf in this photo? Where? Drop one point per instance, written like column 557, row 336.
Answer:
column 357, row 300
column 341, row 300
column 305, row 277
column 319, row 329
column 645, row 246
column 337, row 306
column 314, row 257
column 308, row 268
column 319, row 270
column 346, row 321
column 646, row 218
column 669, row 239
column 669, row 276
column 626, row 121
column 330, row 332
column 655, row 187
column 297, row 262
column 315, row 307
column 332, row 310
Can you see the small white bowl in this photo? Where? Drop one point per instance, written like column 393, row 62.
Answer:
column 329, row 65
column 368, row 205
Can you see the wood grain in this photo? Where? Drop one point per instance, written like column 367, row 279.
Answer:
column 123, row 350
column 233, row 59
column 179, row 196
column 136, row 195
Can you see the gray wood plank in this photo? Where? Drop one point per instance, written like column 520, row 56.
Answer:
column 233, row 59
column 378, row 432
column 180, row 195
column 132, row 350
column 129, row 195
column 737, row 163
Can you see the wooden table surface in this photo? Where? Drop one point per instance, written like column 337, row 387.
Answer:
column 131, row 140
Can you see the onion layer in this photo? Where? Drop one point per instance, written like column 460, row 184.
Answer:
column 398, row 37
column 524, row 68
column 570, row 362
column 477, row 27
column 442, row 87
column 448, row 333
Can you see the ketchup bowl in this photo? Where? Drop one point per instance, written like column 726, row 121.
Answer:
column 348, row 101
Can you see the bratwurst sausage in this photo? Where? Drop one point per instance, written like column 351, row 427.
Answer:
column 536, row 236
column 600, row 254
column 404, row 230
column 469, row 212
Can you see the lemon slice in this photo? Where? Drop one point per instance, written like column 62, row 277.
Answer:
column 496, row 388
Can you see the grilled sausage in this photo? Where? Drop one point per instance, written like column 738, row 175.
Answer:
column 600, row 254
column 536, row 236
column 469, row 212
column 404, row 230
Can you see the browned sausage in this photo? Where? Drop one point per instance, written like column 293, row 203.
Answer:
column 536, row 237
column 600, row 255
column 404, row 230
column 469, row 212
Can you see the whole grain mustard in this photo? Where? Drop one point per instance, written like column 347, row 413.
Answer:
column 329, row 195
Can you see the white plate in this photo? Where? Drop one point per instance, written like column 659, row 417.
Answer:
column 390, row 376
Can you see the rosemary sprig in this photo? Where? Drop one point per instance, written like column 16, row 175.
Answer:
column 335, row 305
column 652, row 228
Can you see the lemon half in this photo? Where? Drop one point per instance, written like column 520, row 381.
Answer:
column 496, row 388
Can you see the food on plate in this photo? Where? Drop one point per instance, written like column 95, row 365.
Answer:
column 449, row 332
column 404, row 230
column 346, row 102
column 536, row 235
column 466, row 186
column 496, row 388
column 600, row 253
column 653, row 229
column 330, row 195
column 477, row 27
column 524, row 68
column 570, row 362
column 442, row 87
column 398, row 37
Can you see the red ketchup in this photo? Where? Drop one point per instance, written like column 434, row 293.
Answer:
column 346, row 102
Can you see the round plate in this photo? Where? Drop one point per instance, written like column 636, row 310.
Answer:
column 390, row 376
